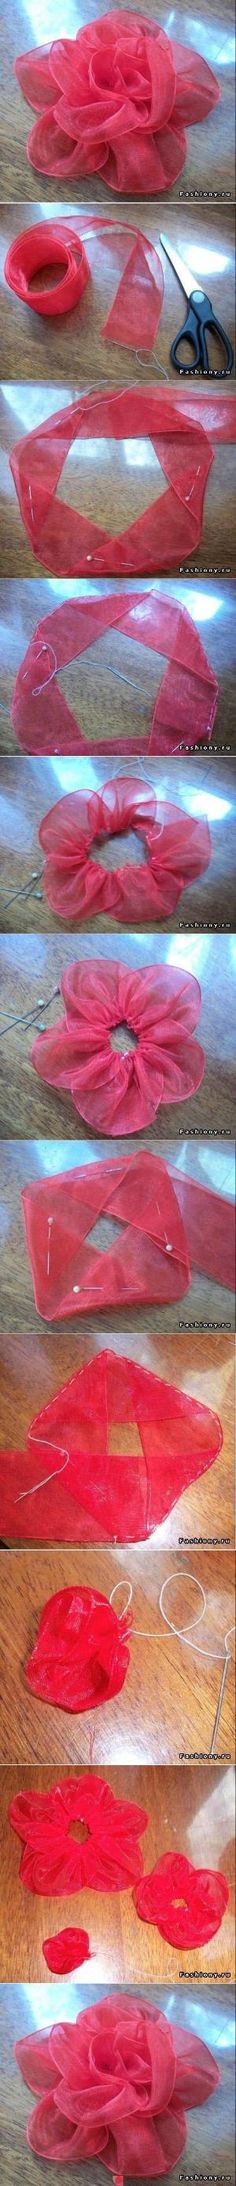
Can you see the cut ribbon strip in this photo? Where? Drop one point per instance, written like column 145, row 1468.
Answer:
column 66, row 1951
column 165, row 1223
column 108, row 1458
column 135, row 312
column 115, row 2086
column 81, row 1657
column 179, row 428
column 177, row 849
column 114, row 102
column 118, row 1093
column 185, row 706
column 185, row 1903
column 52, row 1863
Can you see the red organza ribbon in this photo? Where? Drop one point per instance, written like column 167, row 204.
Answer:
column 179, row 429
column 115, row 101
column 135, row 312
column 177, row 848
column 118, row 1093
column 81, row 1657
column 55, row 1865
column 108, row 1458
column 67, row 1950
column 186, row 1903
column 185, row 706
column 115, row 2086
column 162, row 1219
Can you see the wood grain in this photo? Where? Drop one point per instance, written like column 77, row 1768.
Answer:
column 104, row 704
column 27, row 792
column 210, row 2128
column 33, row 1368
column 184, row 1814
column 31, row 346
column 205, row 1302
column 166, row 1708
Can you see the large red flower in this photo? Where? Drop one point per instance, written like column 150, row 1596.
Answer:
column 117, row 1092
column 80, row 1656
column 114, row 101
column 177, row 848
column 115, row 2085
column 186, row 1903
column 53, row 1863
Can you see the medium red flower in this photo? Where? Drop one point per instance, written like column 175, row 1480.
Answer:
column 177, row 848
column 114, row 101
column 53, row 1864
column 115, row 2085
column 117, row 1092
column 80, row 1656
column 186, row 1903
column 67, row 1950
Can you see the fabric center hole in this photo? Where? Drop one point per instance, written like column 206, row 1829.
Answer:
column 122, row 1038
column 179, row 1901
column 110, row 482
column 104, row 1233
column 79, row 1831
column 47, row 276
column 116, row 850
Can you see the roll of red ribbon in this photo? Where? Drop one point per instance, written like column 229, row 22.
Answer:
column 47, row 244
column 141, row 283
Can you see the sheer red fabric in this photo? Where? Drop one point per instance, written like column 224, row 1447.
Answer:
column 121, row 1092
column 177, row 849
column 114, row 101
column 162, row 1219
column 185, row 706
column 81, row 1657
column 144, row 1442
column 67, row 1950
column 179, row 428
column 186, row 1903
column 55, row 1865
column 115, row 2086
column 135, row 312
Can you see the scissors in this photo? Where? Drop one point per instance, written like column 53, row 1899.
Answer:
column 199, row 317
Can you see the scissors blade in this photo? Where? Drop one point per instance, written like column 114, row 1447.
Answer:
column 183, row 275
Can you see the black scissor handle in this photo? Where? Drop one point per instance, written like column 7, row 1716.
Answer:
column 200, row 317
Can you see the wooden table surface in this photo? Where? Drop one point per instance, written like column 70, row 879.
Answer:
column 210, row 146
column 104, row 704
column 31, row 967
column 183, row 1816
column 33, row 1369
column 210, row 2128
column 28, row 789
column 118, row 490
column 22, row 1162
column 32, row 347
column 166, row 1710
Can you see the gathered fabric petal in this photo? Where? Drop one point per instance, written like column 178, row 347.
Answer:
column 186, row 1903
column 55, row 1865
column 111, row 2086
column 177, row 849
column 81, row 1656
column 115, row 101
column 179, row 429
column 60, row 242
column 144, row 1442
column 117, row 1093
column 166, row 1224
column 185, row 706
column 67, row 1950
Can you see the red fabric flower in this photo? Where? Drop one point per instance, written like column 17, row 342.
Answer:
column 177, row 848
column 185, row 706
column 186, row 1903
column 115, row 2086
column 117, row 1093
column 74, row 1483
column 80, row 1656
column 54, row 1864
column 114, row 102
column 165, row 1224
column 67, row 1950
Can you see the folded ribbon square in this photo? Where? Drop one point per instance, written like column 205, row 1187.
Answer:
column 149, row 1258
column 119, row 1093
column 168, row 532
column 115, row 2085
column 108, row 1458
column 185, row 706
column 115, row 101
column 177, row 848
column 53, row 1864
